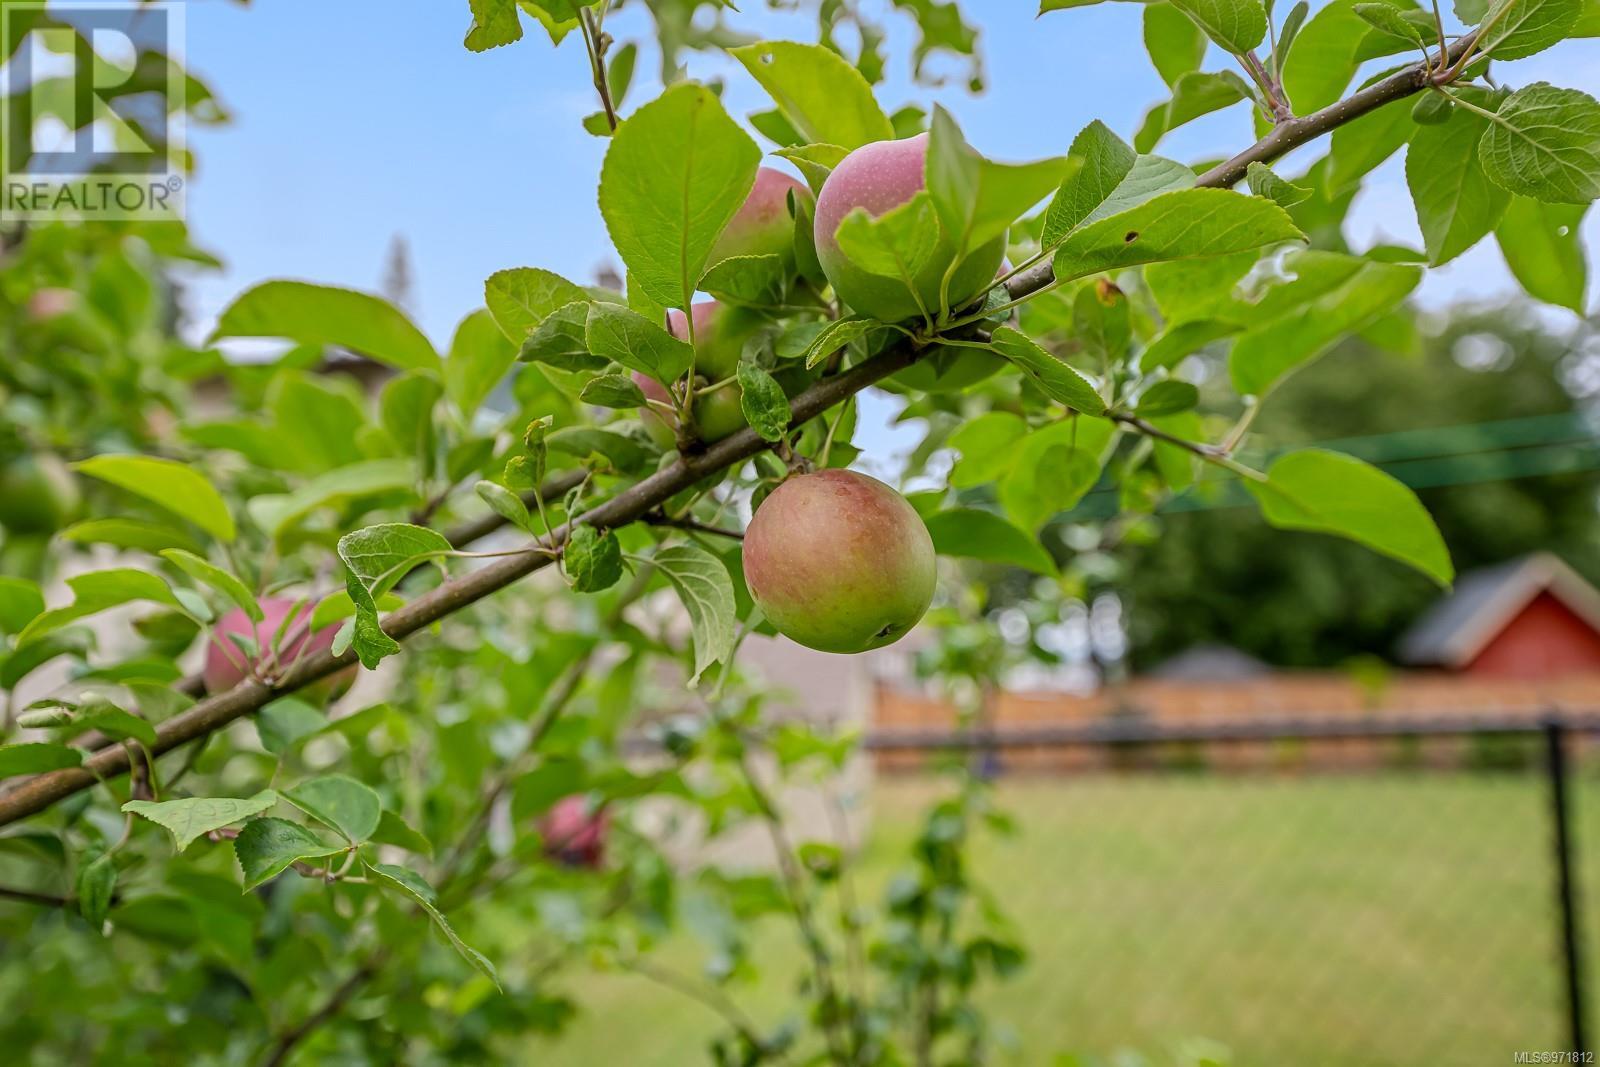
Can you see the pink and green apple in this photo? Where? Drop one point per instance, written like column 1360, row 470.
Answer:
column 839, row 562
column 878, row 177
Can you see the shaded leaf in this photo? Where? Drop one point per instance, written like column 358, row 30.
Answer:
column 706, row 591
column 416, row 887
column 983, row 535
column 267, row 847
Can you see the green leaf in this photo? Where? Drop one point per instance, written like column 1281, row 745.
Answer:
column 1358, row 147
column 342, row 803
column 494, row 23
column 504, row 503
column 987, row 445
column 1167, row 397
column 96, row 884
column 194, row 817
column 381, row 555
column 317, row 421
column 416, row 887
column 593, row 559
column 614, row 450
column 1263, row 355
column 674, row 174
column 619, row 72
column 36, row 757
column 1337, row 494
column 20, row 602
column 706, row 591
column 815, row 161
column 480, row 357
column 177, row 487
column 523, row 297
column 1150, row 177
column 1175, row 44
column 1183, row 339
column 376, row 557
column 1456, row 202
column 95, row 592
column 405, row 407
column 1545, row 143
column 1263, row 182
column 1237, row 25
column 1186, row 224
column 613, row 391
column 278, row 513
column 129, row 533
column 286, row 721
column 114, row 722
column 267, row 847
column 1514, row 29
column 628, row 338
column 1058, row 380
column 1194, row 94
column 1292, row 22
column 836, row 335
column 754, row 281
column 1325, row 57
column 217, row 578
column 983, row 535
column 763, row 402
column 393, row 830
column 896, row 244
column 976, row 199
column 325, row 315
column 1543, row 246
column 1104, row 161
column 1054, row 468
column 1387, row 19
column 562, row 340
column 72, row 641
column 824, row 98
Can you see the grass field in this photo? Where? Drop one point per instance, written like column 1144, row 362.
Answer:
column 1347, row 922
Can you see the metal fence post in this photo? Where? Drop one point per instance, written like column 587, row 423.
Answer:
column 1566, row 887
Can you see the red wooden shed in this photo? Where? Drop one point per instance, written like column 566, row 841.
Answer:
column 1533, row 617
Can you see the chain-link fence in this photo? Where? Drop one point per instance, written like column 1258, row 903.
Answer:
column 1365, row 893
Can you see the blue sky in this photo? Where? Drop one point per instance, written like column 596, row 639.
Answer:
column 358, row 120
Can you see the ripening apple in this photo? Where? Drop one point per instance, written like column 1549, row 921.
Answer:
column 227, row 664
column 51, row 303
column 762, row 226
column 38, row 494
column 575, row 834
column 662, row 428
column 720, row 333
column 878, row 177
column 839, row 562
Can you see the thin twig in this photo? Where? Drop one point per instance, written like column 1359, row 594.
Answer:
column 659, row 519
column 286, row 1043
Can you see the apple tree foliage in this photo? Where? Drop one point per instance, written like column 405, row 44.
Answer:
column 403, row 894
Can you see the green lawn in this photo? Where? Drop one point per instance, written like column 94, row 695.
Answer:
column 1396, row 919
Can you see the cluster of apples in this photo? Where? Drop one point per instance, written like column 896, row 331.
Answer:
column 836, row 560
